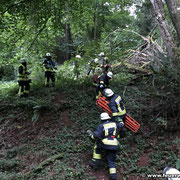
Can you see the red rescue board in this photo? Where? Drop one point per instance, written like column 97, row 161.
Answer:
column 103, row 104
column 129, row 122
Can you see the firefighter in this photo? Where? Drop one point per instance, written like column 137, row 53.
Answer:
column 106, row 66
column 76, row 67
column 102, row 56
column 116, row 105
column 103, row 83
column 23, row 81
column 105, row 137
column 49, row 67
column 104, row 62
column 93, row 64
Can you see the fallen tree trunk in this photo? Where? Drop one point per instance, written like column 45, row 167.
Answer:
column 42, row 164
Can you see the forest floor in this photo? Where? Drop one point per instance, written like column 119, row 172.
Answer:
column 32, row 131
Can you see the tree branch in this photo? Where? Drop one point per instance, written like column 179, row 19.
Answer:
column 40, row 31
column 13, row 5
column 44, row 163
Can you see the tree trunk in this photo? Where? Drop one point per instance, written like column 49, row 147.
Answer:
column 68, row 33
column 68, row 41
column 174, row 10
column 95, row 22
column 95, row 26
column 163, row 26
column 111, row 44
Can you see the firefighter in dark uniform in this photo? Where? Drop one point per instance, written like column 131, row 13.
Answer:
column 106, row 66
column 106, row 139
column 103, row 83
column 76, row 67
column 104, row 62
column 49, row 67
column 93, row 64
column 23, row 81
column 116, row 105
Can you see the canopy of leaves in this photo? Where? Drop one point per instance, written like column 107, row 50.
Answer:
column 29, row 28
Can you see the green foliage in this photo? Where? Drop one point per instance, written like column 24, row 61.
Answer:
column 8, row 89
column 71, row 139
column 29, row 29
column 6, row 73
column 9, row 165
column 161, row 122
column 119, row 42
column 145, row 18
column 33, row 28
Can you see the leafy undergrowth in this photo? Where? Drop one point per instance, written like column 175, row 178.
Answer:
column 44, row 136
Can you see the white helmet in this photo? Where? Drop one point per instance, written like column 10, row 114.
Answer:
column 101, row 54
column 78, row 56
column 110, row 74
column 169, row 170
column 104, row 116
column 96, row 60
column 108, row 92
column 48, row 54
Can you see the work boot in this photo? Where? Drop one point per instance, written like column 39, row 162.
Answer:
column 112, row 177
column 93, row 164
column 26, row 95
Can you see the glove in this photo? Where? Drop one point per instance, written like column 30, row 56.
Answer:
column 89, row 132
column 29, row 80
column 119, row 120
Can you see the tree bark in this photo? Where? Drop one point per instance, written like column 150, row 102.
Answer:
column 95, row 22
column 95, row 26
column 68, row 33
column 69, row 41
column 174, row 10
column 164, row 28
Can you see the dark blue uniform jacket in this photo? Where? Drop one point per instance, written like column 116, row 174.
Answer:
column 106, row 135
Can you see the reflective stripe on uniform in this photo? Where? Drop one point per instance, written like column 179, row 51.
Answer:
column 112, row 170
column 46, row 81
column 49, row 70
column 22, row 79
column 112, row 142
column 95, row 155
column 101, row 82
column 92, row 137
column 119, row 113
column 23, row 76
column 118, row 99
column 108, row 126
column 20, row 91
column 26, row 91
